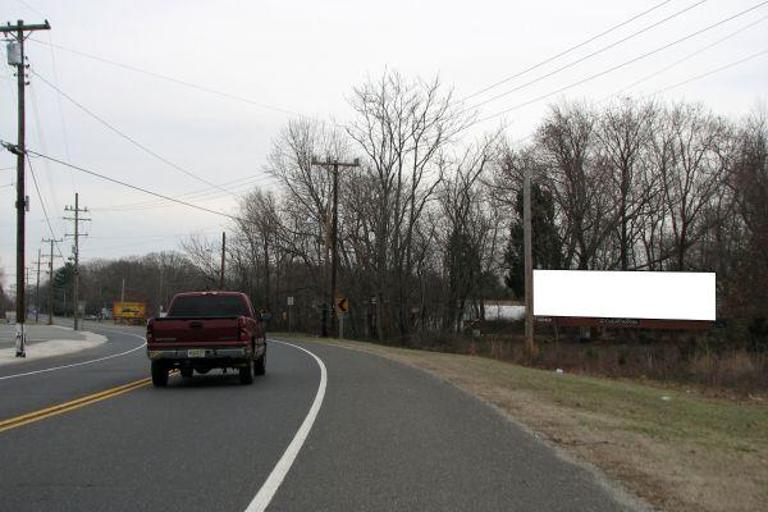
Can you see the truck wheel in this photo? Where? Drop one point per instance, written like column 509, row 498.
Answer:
column 261, row 364
column 159, row 374
column 186, row 373
column 246, row 373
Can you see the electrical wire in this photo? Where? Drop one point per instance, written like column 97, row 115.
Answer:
column 687, row 57
column 198, row 194
column 128, row 137
column 42, row 205
column 711, row 72
column 618, row 66
column 44, row 146
column 128, row 185
column 133, row 141
column 31, row 8
column 588, row 56
column 177, row 81
column 566, row 52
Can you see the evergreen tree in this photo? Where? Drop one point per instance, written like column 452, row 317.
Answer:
column 547, row 246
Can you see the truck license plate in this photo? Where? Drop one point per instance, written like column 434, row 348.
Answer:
column 196, row 352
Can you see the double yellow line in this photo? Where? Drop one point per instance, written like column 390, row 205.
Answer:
column 55, row 410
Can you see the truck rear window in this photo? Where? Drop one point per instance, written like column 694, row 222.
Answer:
column 208, row 306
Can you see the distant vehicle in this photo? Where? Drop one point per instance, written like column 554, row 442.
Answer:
column 129, row 312
column 207, row 330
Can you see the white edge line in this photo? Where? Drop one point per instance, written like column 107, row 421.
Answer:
column 81, row 363
column 262, row 499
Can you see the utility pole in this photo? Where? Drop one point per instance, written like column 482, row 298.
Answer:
column 333, row 167
column 50, row 278
column 122, row 291
column 76, row 249
column 37, row 286
column 223, row 258
column 530, row 343
column 17, row 58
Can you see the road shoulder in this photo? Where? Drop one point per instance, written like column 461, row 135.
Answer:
column 675, row 449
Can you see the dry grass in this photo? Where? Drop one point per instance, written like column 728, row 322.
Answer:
column 677, row 449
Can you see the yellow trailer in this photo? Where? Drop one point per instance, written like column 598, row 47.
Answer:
column 129, row 312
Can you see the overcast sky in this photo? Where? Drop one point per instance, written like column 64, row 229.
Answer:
column 305, row 57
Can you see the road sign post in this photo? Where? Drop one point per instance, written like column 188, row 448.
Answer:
column 342, row 306
column 290, row 316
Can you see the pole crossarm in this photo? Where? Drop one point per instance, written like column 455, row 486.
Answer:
column 21, row 27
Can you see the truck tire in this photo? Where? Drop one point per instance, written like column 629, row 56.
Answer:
column 246, row 373
column 261, row 364
column 159, row 374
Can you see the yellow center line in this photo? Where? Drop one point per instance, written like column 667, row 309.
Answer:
column 72, row 405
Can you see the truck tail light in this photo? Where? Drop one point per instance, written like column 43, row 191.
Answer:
column 150, row 330
column 242, row 329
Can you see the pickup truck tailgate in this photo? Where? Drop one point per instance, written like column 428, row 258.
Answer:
column 196, row 331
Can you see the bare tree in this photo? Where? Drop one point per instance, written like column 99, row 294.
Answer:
column 470, row 229
column 578, row 173
column 625, row 132
column 691, row 165
column 203, row 254
column 401, row 128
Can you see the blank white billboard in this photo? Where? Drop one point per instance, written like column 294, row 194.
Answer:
column 630, row 294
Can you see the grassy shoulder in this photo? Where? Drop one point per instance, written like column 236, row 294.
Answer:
column 678, row 449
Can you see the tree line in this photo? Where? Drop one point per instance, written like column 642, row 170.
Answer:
column 430, row 222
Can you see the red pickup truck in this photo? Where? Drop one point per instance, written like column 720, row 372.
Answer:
column 207, row 330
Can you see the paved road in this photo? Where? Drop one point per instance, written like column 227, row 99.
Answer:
column 387, row 437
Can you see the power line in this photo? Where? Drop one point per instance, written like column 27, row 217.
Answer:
column 142, row 147
column 128, row 137
column 44, row 147
column 200, row 194
column 712, row 72
column 168, row 78
column 134, row 187
column 619, row 66
column 689, row 56
column 31, row 8
column 567, row 51
column 42, row 205
column 588, row 56
column 678, row 84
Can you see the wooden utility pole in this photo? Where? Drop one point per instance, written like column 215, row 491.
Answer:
column 17, row 58
column 530, row 343
column 50, row 279
column 76, row 249
column 223, row 259
column 333, row 167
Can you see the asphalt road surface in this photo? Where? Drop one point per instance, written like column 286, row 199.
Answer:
column 372, row 435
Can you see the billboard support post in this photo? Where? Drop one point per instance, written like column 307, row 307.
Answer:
column 530, row 343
